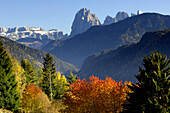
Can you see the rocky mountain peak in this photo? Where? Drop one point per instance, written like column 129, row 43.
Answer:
column 139, row 12
column 83, row 21
column 121, row 15
column 108, row 20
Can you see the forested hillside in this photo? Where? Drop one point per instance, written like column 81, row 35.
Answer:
column 122, row 63
column 21, row 51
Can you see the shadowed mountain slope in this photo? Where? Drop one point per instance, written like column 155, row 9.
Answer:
column 19, row 51
column 122, row 63
column 98, row 38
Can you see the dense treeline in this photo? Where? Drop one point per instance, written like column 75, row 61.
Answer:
column 26, row 89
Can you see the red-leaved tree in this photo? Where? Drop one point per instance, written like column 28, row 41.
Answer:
column 96, row 95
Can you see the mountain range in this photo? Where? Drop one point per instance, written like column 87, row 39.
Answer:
column 32, row 36
column 37, row 37
column 94, row 48
column 121, row 15
column 122, row 63
column 20, row 51
column 98, row 38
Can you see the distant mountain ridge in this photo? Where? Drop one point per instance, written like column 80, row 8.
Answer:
column 37, row 37
column 121, row 15
column 98, row 38
column 122, row 63
column 17, row 33
column 32, row 36
column 19, row 51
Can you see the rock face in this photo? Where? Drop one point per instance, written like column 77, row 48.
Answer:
column 17, row 33
column 139, row 12
column 109, row 20
column 83, row 21
column 119, row 16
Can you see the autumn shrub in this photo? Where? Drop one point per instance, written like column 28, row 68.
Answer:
column 34, row 100
column 96, row 96
column 58, row 106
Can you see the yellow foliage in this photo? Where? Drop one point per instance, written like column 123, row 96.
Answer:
column 20, row 76
column 58, row 76
column 64, row 79
column 126, row 84
column 60, row 85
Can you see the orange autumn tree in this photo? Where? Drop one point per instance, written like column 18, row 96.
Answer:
column 30, row 95
column 96, row 95
column 34, row 100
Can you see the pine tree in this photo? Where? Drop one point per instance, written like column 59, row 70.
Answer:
column 9, row 97
column 72, row 78
column 152, row 93
column 49, row 75
column 30, row 72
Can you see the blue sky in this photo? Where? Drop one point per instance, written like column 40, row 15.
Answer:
column 59, row 14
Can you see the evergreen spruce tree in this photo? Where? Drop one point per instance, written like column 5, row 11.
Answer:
column 9, row 98
column 72, row 78
column 30, row 72
column 49, row 75
column 152, row 93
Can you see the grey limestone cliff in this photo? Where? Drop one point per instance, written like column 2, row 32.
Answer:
column 83, row 21
column 109, row 20
column 119, row 16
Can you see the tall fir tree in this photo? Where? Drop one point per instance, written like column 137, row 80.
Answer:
column 9, row 97
column 30, row 72
column 49, row 75
column 152, row 93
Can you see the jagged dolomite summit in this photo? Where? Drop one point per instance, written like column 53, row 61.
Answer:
column 83, row 21
column 119, row 16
